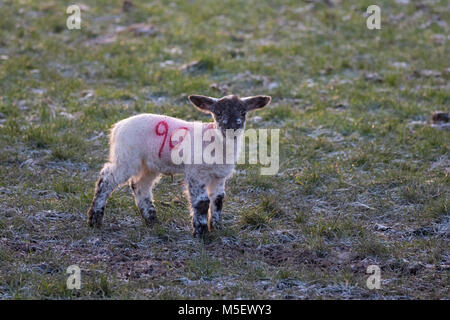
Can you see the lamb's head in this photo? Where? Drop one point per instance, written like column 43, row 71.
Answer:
column 229, row 112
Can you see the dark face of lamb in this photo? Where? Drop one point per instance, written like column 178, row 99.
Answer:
column 229, row 112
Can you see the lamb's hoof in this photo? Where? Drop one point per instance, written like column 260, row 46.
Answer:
column 94, row 218
column 215, row 225
column 200, row 231
column 149, row 216
column 151, row 221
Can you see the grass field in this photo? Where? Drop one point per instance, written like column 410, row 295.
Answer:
column 364, row 172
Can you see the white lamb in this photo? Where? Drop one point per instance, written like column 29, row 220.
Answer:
column 140, row 151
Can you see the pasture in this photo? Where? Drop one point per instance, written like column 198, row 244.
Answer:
column 364, row 170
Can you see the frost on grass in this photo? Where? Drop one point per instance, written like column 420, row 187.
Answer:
column 363, row 161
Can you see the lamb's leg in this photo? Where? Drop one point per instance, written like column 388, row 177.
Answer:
column 199, row 204
column 141, row 188
column 216, row 190
column 110, row 178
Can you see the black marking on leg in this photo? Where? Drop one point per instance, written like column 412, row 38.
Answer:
column 147, row 211
column 97, row 209
column 202, row 206
column 218, row 202
column 215, row 221
column 99, row 187
column 95, row 217
column 200, row 228
column 200, row 218
column 95, row 213
column 133, row 186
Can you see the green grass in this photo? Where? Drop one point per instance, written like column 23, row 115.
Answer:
column 356, row 149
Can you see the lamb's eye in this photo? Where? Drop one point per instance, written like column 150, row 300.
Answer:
column 239, row 121
column 225, row 121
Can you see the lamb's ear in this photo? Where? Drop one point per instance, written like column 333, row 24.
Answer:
column 202, row 102
column 256, row 102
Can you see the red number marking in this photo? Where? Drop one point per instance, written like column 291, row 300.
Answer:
column 162, row 129
column 171, row 144
column 162, row 133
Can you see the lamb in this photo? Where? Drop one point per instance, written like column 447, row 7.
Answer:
column 140, row 151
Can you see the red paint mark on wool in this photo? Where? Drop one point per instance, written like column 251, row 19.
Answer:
column 164, row 132
column 171, row 144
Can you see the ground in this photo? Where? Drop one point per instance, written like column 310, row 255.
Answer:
column 364, row 171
